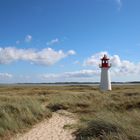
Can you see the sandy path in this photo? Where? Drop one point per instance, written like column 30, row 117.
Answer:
column 51, row 129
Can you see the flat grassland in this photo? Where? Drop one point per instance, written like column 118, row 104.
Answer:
column 112, row 115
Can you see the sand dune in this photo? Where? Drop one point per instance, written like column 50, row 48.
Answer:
column 51, row 129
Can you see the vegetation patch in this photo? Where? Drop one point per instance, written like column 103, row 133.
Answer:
column 96, row 128
column 112, row 115
column 125, row 106
column 132, row 94
column 19, row 113
column 56, row 107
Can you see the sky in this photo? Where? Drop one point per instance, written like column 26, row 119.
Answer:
column 64, row 40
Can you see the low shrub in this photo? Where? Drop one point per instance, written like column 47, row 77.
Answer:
column 97, row 128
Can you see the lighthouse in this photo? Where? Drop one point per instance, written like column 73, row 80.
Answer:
column 105, row 83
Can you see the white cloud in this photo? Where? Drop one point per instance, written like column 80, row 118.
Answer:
column 119, row 66
column 82, row 73
column 46, row 56
column 94, row 60
column 28, row 38
column 71, row 52
column 53, row 41
column 115, row 60
column 75, row 74
column 5, row 76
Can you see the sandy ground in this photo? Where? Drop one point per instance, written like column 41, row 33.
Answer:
column 51, row 129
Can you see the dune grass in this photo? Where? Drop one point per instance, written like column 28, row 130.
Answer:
column 19, row 112
column 113, row 115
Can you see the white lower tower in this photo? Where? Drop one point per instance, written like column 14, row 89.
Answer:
column 105, row 83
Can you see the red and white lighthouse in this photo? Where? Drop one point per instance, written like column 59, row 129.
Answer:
column 105, row 83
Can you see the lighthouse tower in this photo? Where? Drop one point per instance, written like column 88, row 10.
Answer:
column 105, row 83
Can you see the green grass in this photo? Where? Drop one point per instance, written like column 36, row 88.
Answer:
column 113, row 115
column 18, row 113
column 100, row 112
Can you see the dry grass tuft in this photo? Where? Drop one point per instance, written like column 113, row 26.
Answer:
column 113, row 115
column 97, row 129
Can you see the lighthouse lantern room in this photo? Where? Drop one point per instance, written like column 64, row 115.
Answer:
column 105, row 82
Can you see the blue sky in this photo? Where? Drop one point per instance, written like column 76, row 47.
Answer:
column 63, row 40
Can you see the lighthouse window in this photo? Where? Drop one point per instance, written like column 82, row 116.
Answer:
column 103, row 61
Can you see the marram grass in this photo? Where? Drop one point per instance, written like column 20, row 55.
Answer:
column 18, row 113
column 113, row 115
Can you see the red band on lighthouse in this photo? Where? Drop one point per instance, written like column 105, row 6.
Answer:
column 105, row 62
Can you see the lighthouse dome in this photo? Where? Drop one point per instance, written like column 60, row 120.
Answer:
column 105, row 62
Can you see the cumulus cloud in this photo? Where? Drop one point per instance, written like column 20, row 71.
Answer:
column 28, row 38
column 5, row 76
column 94, row 60
column 82, row 73
column 71, row 52
column 53, row 41
column 46, row 56
column 75, row 74
column 119, row 66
